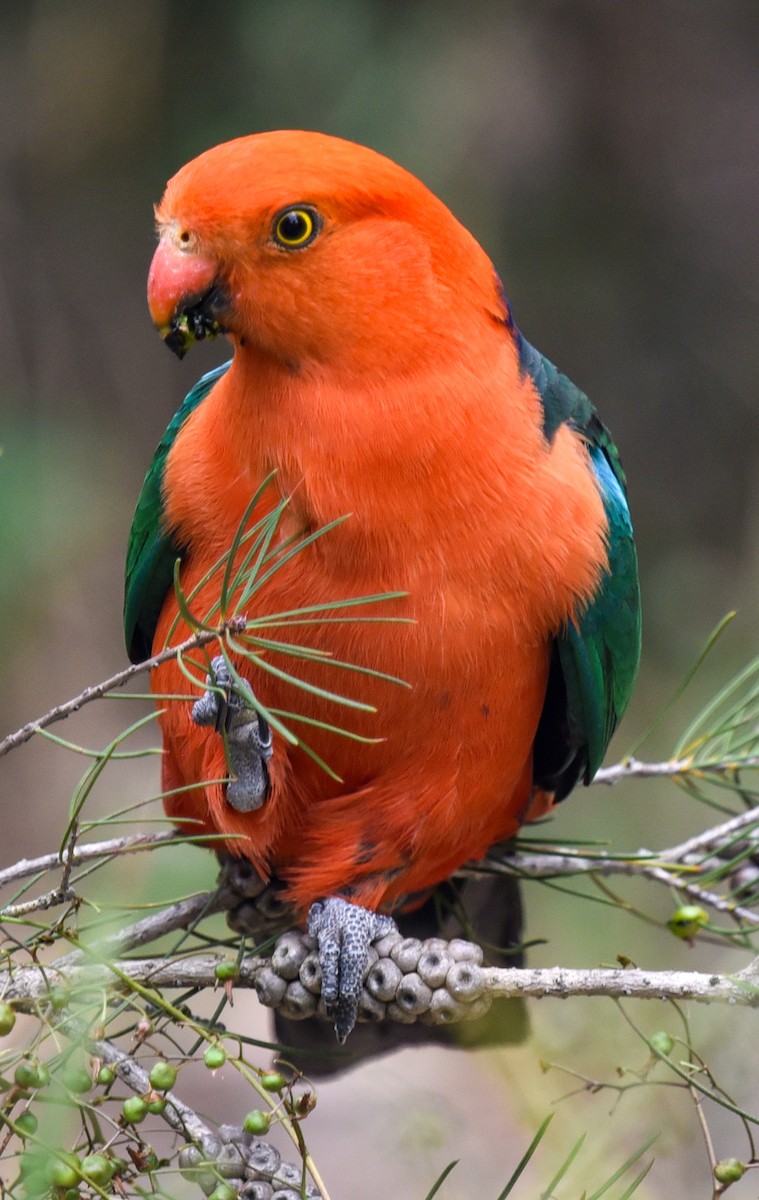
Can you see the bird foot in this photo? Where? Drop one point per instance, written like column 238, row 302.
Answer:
column 344, row 932
column 247, row 737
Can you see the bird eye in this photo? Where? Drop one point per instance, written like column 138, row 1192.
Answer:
column 296, row 228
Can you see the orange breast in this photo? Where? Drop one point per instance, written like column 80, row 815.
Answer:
column 493, row 534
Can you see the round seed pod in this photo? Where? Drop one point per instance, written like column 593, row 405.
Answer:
column 256, row 1189
column 244, row 918
column 287, row 1176
column 434, row 964
column 230, row 1162
column 234, row 1134
column 399, row 1015
column 384, row 945
column 444, row 1010
column 297, row 1003
column 383, row 979
column 406, row 954
column 478, row 1008
column 210, row 1144
column 310, row 974
column 241, row 876
column 194, row 1167
column 370, row 1009
column 270, row 988
column 745, row 879
column 271, row 907
column 463, row 951
column 289, row 955
column 189, row 1159
column 465, row 981
column 413, row 994
column 435, row 943
column 262, row 1159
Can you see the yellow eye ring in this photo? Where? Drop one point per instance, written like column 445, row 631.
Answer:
column 295, row 227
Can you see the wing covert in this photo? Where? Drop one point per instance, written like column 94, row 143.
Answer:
column 152, row 550
column 595, row 659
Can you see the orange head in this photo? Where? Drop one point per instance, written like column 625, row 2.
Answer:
column 310, row 248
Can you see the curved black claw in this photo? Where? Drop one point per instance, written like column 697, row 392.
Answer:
column 344, row 932
column 247, row 737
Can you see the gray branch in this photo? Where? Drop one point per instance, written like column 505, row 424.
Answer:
column 98, row 690
column 26, row 986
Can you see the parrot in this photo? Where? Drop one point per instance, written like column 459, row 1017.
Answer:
column 381, row 391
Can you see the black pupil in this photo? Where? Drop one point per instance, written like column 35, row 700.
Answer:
column 293, row 226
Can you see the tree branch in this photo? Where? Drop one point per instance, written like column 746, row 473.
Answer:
column 633, row 768
column 25, row 986
column 129, row 844
column 98, row 690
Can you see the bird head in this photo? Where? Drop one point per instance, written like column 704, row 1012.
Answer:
column 306, row 247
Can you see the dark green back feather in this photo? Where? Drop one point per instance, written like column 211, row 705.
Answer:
column 596, row 658
column 152, row 551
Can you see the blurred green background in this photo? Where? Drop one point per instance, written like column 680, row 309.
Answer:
column 606, row 155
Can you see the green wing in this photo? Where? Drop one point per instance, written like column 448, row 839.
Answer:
column 595, row 660
column 152, row 551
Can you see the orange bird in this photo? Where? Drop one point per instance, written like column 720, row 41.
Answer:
column 378, row 372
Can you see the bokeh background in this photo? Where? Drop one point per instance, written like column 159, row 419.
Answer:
column 606, row 155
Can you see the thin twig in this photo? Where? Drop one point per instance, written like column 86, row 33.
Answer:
column 662, row 866
column 129, row 844
column 550, row 865
column 98, row 690
column 633, row 768
column 183, row 1119
column 12, row 912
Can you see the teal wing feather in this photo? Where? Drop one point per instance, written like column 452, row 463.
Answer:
column 596, row 657
column 152, row 551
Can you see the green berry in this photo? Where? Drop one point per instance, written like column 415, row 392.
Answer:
column 30, row 1163
column 157, row 1105
column 226, row 970
column 163, row 1076
column 730, row 1170
column 134, row 1110
column 662, row 1043
column 223, row 1191
column 215, row 1057
column 63, row 1173
column 29, row 1075
column 7, row 1018
column 687, row 920
column 71, row 1194
column 106, row 1076
column 273, row 1081
column 151, row 1161
column 97, row 1169
column 257, row 1122
column 26, row 1124
column 77, row 1080
column 59, row 998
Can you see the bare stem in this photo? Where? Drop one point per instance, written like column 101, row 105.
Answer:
column 98, row 690
column 25, row 985
column 129, row 844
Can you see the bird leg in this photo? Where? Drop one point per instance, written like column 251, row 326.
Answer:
column 344, row 932
column 247, row 737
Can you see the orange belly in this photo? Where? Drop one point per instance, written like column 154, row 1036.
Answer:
column 450, row 775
